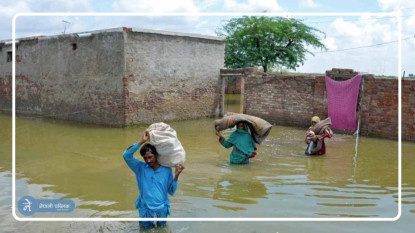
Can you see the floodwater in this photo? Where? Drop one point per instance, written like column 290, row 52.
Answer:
column 57, row 159
column 232, row 103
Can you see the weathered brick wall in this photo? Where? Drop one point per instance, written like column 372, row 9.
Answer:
column 380, row 108
column 115, row 77
column 84, row 84
column 284, row 100
column 5, row 92
column 408, row 110
column 319, row 98
column 171, row 77
column 28, row 81
column 28, row 76
column 55, row 80
column 293, row 100
column 233, row 80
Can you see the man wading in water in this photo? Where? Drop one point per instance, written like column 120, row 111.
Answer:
column 154, row 182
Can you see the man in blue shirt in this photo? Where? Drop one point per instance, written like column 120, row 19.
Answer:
column 154, row 182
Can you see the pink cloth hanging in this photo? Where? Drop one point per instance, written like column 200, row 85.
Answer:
column 342, row 102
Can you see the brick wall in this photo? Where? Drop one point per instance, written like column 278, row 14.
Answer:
column 293, row 100
column 5, row 92
column 284, row 100
column 320, row 98
column 380, row 108
column 115, row 77
column 55, row 80
column 408, row 110
column 171, row 76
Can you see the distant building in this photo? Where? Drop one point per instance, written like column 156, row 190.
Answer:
column 115, row 77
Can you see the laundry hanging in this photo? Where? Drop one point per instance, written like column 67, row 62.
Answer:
column 342, row 102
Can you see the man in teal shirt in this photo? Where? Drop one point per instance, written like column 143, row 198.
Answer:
column 154, row 182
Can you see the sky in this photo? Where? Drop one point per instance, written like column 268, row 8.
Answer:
column 368, row 44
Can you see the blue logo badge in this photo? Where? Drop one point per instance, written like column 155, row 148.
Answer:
column 27, row 205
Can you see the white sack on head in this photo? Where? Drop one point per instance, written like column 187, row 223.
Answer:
column 168, row 146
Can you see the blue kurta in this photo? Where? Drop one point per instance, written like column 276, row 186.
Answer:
column 152, row 185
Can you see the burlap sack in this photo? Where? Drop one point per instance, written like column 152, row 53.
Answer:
column 168, row 146
column 259, row 127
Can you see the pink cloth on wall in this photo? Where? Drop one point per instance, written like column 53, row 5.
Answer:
column 342, row 102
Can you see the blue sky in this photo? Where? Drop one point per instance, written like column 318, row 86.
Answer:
column 341, row 32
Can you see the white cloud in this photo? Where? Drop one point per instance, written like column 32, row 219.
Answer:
column 410, row 24
column 60, row 5
column 155, row 6
column 365, row 31
column 352, row 32
column 388, row 5
column 391, row 5
column 9, row 10
column 405, row 8
column 342, row 33
column 309, row 4
column 345, row 28
column 52, row 25
column 330, row 43
column 252, row 6
column 158, row 6
column 209, row 5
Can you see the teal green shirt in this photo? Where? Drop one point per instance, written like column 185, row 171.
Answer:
column 235, row 157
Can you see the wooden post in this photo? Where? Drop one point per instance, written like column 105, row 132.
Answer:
column 242, row 103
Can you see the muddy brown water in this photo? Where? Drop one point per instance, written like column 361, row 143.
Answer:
column 57, row 159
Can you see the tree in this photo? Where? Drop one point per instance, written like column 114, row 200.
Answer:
column 267, row 42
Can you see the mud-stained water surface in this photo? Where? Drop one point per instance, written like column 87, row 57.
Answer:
column 57, row 159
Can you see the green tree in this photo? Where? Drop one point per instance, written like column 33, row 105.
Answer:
column 268, row 42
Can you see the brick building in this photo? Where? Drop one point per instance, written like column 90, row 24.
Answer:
column 115, row 77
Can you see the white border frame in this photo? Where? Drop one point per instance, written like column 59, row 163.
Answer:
column 284, row 14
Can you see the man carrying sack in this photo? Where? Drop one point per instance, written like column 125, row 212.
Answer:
column 154, row 180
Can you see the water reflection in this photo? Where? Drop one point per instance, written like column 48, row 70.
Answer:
column 84, row 163
column 239, row 186
column 233, row 103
